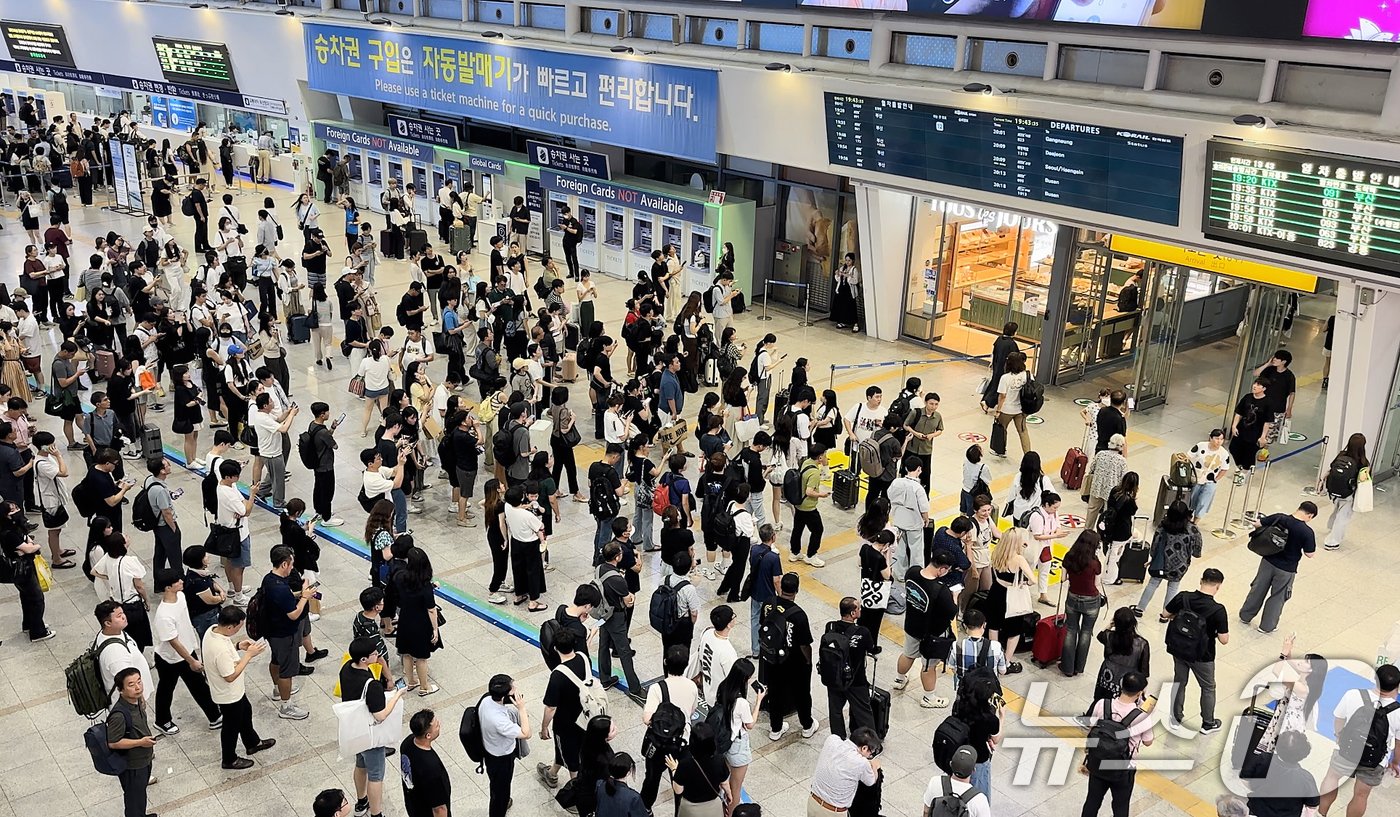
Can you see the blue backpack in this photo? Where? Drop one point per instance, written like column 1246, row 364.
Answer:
column 105, row 759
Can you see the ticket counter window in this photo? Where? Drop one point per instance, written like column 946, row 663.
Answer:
column 971, row 270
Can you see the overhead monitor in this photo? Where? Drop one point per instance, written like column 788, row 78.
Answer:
column 190, row 62
column 39, row 43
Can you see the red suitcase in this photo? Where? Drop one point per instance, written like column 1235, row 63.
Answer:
column 1072, row 472
column 1050, row 634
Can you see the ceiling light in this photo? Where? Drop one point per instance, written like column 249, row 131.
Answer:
column 786, row 68
column 1254, row 120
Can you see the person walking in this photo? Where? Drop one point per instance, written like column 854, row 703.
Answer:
column 922, row 427
column 1212, row 462
column 1354, row 719
column 805, row 515
column 1002, row 349
column 225, row 662
column 505, row 722
column 1116, row 524
column 1008, row 405
column 851, row 692
column 1108, row 470
column 1176, row 542
column 1124, row 718
column 1082, row 571
column 909, row 513
column 930, row 609
column 1343, row 476
column 1273, row 583
column 1192, row 642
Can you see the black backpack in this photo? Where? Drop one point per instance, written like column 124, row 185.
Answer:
column 1032, row 396
column 187, row 206
column 469, row 733
column 722, row 724
column 84, row 500
column 503, row 446
column 603, row 502
column 834, row 665
column 1187, row 636
column 1342, row 475
column 306, row 449
column 952, row 734
column 1108, row 748
column 664, row 609
column 209, row 486
column 709, row 297
column 665, row 734
column 143, row 514
column 948, row 804
column 723, row 530
column 773, row 633
column 549, row 631
column 1365, row 740
column 256, row 623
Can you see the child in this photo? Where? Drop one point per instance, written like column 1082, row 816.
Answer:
column 366, row 625
column 975, row 649
column 301, row 539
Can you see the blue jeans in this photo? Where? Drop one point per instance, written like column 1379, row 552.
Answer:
column 601, row 537
column 1150, row 587
column 760, row 514
column 982, row 778
column 1080, row 614
column 755, row 610
column 400, row 510
column 1201, row 497
column 642, row 518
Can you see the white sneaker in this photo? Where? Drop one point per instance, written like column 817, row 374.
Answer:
column 899, row 683
column 292, row 712
column 197, row 465
column 415, row 508
column 815, row 561
column 240, row 599
column 796, row 557
column 315, row 617
column 778, row 735
column 810, row 731
column 276, row 696
column 333, row 522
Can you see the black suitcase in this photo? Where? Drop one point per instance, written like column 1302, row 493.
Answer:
column 300, row 332
column 845, row 489
column 1132, row 565
column 461, row 239
column 151, row 445
column 780, row 403
column 391, row 244
column 417, row 240
column 998, row 441
column 1166, row 495
column 880, row 706
column 738, row 305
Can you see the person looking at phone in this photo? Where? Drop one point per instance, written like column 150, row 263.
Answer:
column 129, row 732
column 102, row 483
column 223, row 670
column 358, row 682
column 284, row 611
column 320, row 437
column 842, row 766
column 505, row 721
column 232, row 511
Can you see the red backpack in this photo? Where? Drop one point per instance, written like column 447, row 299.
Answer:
column 661, row 497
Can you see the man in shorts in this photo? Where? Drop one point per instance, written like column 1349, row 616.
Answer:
column 283, row 612
column 1345, row 763
column 930, row 607
column 356, row 682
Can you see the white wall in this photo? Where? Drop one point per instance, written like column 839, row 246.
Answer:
column 1364, row 359
column 885, row 222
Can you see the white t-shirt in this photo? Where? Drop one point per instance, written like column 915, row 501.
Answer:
column 683, row 694
column 231, row 509
column 1010, row 385
column 118, row 657
column 765, row 359
column 375, row 373
column 712, row 660
column 865, row 421
column 614, row 428
column 976, row 807
column 269, row 438
column 523, row 525
column 48, row 485
column 99, row 585
column 743, row 716
column 1353, row 700
column 122, row 573
column 1020, row 504
column 379, row 483
column 220, row 660
column 172, row 620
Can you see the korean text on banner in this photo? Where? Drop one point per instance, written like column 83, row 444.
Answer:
column 661, row 109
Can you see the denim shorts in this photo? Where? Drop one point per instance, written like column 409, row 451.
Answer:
column 372, row 761
column 245, row 554
column 740, row 752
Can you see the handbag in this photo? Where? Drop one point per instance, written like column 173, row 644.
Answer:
column 356, row 386
column 1364, row 500
column 359, row 731
column 744, row 430
column 56, row 519
column 43, row 572
column 255, row 348
column 223, row 541
column 874, row 594
column 1018, row 598
column 440, row 343
column 567, row 796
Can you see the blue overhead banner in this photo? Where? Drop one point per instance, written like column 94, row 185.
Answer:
column 663, row 109
column 569, row 160
column 420, row 130
column 486, row 164
column 659, row 203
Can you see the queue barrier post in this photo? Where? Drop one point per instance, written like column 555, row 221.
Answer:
column 1252, row 514
column 1315, row 489
column 1225, row 531
column 766, row 296
column 1241, row 522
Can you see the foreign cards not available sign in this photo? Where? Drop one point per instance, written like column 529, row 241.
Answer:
column 663, row 109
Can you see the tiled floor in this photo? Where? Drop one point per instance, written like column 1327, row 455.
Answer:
column 1340, row 609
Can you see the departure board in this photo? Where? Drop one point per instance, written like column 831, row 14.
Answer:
column 1320, row 205
column 189, row 62
column 1094, row 167
column 40, row 43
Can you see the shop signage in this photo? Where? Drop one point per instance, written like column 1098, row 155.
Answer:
column 1341, row 209
column 37, row 42
column 1210, row 262
column 990, row 216
column 206, row 65
column 420, row 130
column 665, row 109
column 213, row 96
column 659, row 203
column 569, row 160
column 373, row 141
column 1134, row 174
column 486, row 164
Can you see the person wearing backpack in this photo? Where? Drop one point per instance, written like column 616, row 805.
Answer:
column 129, row 733
column 952, row 794
column 1367, row 725
column 805, row 515
column 890, row 450
column 1196, row 623
column 605, row 491
column 318, row 454
column 1008, row 408
column 1273, row 583
column 1341, row 481
column 682, row 602
column 613, row 636
column 505, row 721
column 1121, row 729
column 669, row 706
column 765, row 578
column 563, row 706
column 1175, row 543
column 785, row 659
column 841, row 663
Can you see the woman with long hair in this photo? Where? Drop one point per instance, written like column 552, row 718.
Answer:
column 1297, row 683
column 375, row 369
column 979, row 705
column 563, row 430
column 126, row 584
column 1082, row 569
column 735, row 393
column 687, row 326
column 189, row 415
column 527, row 543
column 21, row 547
column 1344, row 506
column 699, row 779
column 615, row 797
column 826, row 420
column 1027, row 488
column 974, row 471
column 1176, row 542
column 418, row 633
column 595, row 756
column 379, row 535
column 274, row 353
column 497, row 540
column 731, row 700
column 1116, row 523
column 1124, row 651
column 541, row 466
column 984, row 533
column 876, row 581
column 1009, row 567
column 323, row 332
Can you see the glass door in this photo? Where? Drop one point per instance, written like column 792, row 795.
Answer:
column 1387, row 462
column 1261, row 330
column 1157, row 333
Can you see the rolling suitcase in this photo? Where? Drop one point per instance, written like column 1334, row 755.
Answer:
column 845, row 489
column 540, row 432
column 461, row 240
column 780, row 403
column 299, row 331
column 104, row 363
column 568, row 368
column 1132, row 565
column 417, row 240
column 151, row 445
column 879, row 703
column 1166, row 495
column 1049, row 639
column 391, row 243
column 998, row 439
column 1072, row 472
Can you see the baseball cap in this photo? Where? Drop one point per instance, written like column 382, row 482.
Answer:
column 235, row 349
column 963, row 762
column 519, row 363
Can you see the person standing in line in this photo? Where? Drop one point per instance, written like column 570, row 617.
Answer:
column 1197, row 657
column 714, row 654
column 1273, row 583
column 573, row 236
column 168, row 552
column 1008, row 406
column 1211, row 459
column 471, row 210
column 1176, row 542
column 805, row 514
column 444, row 203
column 270, row 430
column 1251, row 426
column 1124, row 651
column 767, row 568
column 1116, row 524
column 505, row 721
column 1347, row 761
column 129, row 732
column 563, row 702
column 930, row 610
column 1082, row 570
column 842, row 767
column 723, row 313
column 284, row 613
column 855, row 694
column 1125, row 711
column 765, row 360
column 1280, row 387
column 1109, row 467
column 200, row 203
column 233, row 512
column 786, row 659
column 909, row 508
column 613, row 635
column 224, row 670
column 606, row 490
column 863, row 419
column 427, row 787
column 357, row 682
column 177, row 653
column 923, row 426
column 958, row 785
column 323, row 446
column 1342, row 491
column 679, row 691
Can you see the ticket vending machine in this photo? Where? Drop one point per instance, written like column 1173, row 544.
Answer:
column 554, row 214
column 396, row 172
column 612, row 254
column 374, row 179
column 357, row 176
column 439, row 175
column 420, row 192
column 698, row 255
column 671, row 231
column 644, row 237
column 588, row 249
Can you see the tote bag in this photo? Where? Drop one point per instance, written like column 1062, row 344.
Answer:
column 1018, row 598
column 359, row 730
column 1364, row 500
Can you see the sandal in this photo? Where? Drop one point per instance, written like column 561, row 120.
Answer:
column 540, row 609
column 64, row 564
column 70, row 552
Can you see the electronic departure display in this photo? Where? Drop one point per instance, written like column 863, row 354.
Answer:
column 37, row 43
column 1319, row 205
column 189, row 62
column 1093, row 167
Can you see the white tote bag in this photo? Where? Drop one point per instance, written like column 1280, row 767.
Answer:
column 359, row 730
column 1364, row 500
column 744, row 430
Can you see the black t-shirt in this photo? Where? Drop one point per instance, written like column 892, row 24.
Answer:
column 356, row 682
column 521, row 212
column 1110, row 421
column 615, row 589
column 562, row 694
column 573, row 238
column 201, row 210
column 753, row 469
column 700, row 778
column 674, row 541
column 1254, row 412
column 196, row 583
column 861, row 642
column 572, row 624
column 464, row 451
column 432, row 269
column 872, row 563
column 1301, row 539
column 799, row 627
column 1212, row 611
column 658, row 270
column 1296, row 785
column 426, row 783
column 1281, row 384
column 929, row 604
column 119, row 390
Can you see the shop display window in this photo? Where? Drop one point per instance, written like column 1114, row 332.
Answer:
column 971, row 270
